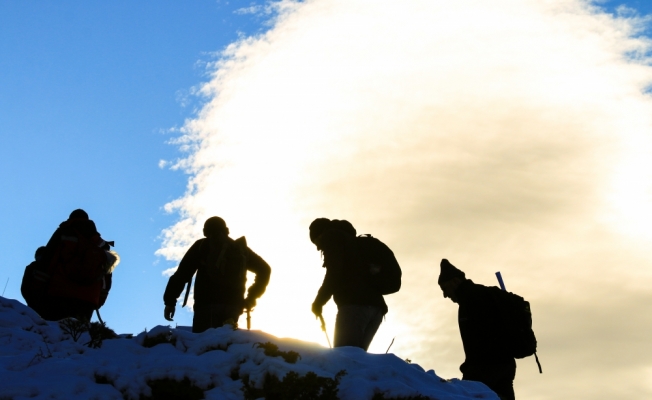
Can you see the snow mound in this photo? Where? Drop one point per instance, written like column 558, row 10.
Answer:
column 39, row 360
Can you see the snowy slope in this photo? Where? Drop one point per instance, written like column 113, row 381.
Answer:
column 39, row 361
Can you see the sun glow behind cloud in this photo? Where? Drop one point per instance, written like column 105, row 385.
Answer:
column 505, row 135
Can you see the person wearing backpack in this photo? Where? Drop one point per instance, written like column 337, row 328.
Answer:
column 352, row 280
column 221, row 264
column 71, row 275
column 483, row 330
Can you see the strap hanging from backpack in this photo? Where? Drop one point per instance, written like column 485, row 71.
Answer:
column 185, row 299
column 538, row 363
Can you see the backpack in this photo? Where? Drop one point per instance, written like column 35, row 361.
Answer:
column 79, row 262
column 80, row 259
column 36, row 279
column 385, row 273
column 228, row 268
column 517, row 320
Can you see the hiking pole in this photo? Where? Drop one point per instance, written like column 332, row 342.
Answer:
column 3, row 291
column 323, row 328
column 390, row 345
column 500, row 280
column 248, row 319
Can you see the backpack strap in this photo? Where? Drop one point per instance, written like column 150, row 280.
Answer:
column 188, row 285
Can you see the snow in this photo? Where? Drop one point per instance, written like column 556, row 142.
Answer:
column 40, row 361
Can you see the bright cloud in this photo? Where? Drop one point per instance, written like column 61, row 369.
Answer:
column 509, row 135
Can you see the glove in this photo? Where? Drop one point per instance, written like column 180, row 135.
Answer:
column 169, row 313
column 249, row 303
column 316, row 309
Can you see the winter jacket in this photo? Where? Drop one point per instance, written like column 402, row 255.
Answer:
column 347, row 277
column 483, row 336
column 221, row 268
column 60, row 285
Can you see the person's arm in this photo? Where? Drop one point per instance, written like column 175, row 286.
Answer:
column 324, row 294
column 332, row 245
column 258, row 266
column 187, row 268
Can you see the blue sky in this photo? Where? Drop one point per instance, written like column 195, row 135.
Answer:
column 89, row 92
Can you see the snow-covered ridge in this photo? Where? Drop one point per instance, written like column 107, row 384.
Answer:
column 38, row 361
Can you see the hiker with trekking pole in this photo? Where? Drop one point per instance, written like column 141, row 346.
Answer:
column 221, row 264
column 495, row 326
column 359, row 271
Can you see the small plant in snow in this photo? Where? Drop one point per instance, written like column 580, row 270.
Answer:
column 232, row 323
column 272, row 350
column 98, row 332
column 167, row 388
column 161, row 338
column 296, row 387
column 40, row 355
column 73, row 327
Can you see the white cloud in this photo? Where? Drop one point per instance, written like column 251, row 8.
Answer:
column 255, row 9
column 170, row 271
column 509, row 135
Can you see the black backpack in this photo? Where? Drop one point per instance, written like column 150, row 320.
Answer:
column 229, row 268
column 36, row 279
column 383, row 266
column 517, row 319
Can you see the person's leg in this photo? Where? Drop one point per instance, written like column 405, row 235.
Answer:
column 356, row 325
column 58, row 308
column 201, row 319
column 214, row 316
column 50, row 309
column 499, row 378
column 228, row 312
column 81, row 310
column 374, row 321
column 349, row 331
column 504, row 389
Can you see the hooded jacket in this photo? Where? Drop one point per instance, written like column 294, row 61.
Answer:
column 221, row 267
column 347, row 277
column 483, row 334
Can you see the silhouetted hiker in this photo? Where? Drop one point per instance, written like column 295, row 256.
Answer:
column 71, row 275
column 221, row 264
column 484, row 336
column 354, row 280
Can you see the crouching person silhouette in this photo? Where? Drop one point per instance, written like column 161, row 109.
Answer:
column 221, row 264
column 71, row 276
column 360, row 307
column 484, row 337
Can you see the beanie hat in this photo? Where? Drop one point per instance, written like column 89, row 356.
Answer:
column 448, row 272
column 317, row 227
column 344, row 226
column 78, row 214
column 214, row 226
column 40, row 253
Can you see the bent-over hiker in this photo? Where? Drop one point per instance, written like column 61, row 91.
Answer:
column 484, row 336
column 71, row 275
column 221, row 264
column 349, row 280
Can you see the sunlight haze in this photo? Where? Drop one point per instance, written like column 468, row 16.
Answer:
column 504, row 135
